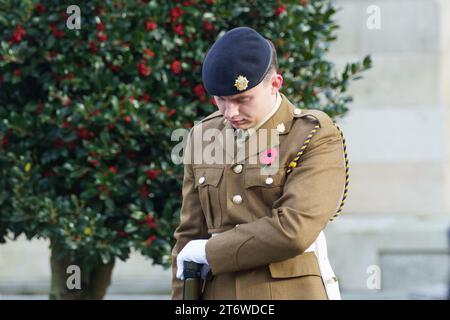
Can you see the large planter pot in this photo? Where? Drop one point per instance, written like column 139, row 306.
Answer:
column 94, row 280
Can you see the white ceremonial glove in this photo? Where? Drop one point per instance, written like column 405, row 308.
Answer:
column 193, row 251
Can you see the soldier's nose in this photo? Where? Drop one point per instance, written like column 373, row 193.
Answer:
column 231, row 111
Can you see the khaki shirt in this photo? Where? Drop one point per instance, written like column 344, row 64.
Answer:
column 265, row 221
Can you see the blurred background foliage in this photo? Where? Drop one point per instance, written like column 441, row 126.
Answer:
column 86, row 116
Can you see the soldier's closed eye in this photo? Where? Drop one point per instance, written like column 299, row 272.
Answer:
column 241, row 100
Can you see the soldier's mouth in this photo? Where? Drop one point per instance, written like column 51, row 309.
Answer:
column 238, row 122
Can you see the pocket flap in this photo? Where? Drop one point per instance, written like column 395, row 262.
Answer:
column 301, row 265
column 208, row 176
column 254, row 177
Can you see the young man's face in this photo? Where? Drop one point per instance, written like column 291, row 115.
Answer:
column 245, row 110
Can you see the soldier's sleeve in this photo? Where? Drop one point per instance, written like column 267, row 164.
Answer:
column 311, row 196
column 192, row 220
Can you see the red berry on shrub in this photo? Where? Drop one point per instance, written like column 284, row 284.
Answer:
column 100, row 27
column 144, row 70
column 175, row 13
column 93, row 47
column 39, row 8
column 122, row 234
column 114, row 68
column 150, row 25
column 279, row 10
column 144, row 191
column 81, row 133
column 208, row 26
column 18, row 34
column 102, row 37
column 150, row 240
column 100, row 10
column 179, row 29
column 94, row 163
column 152, row 174
column 145, row 97
column 176, row 67
column 171, row 112
column 150, row 222
column 113, row 169
column 149, row 53
column 199, row 90
column 56, row 33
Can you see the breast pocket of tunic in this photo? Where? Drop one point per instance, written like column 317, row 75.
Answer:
column 207, row 182
column 261, row 187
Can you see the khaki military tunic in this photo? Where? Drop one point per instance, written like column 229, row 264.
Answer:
column 265, row 222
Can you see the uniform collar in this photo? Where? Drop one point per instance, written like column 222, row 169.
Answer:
column 248, row 132
column 281, row 120
column 268, row 116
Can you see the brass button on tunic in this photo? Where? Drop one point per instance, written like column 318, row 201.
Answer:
column 237, row 168
column 237, row 199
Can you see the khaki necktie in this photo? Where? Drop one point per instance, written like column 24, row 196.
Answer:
column 241, row 135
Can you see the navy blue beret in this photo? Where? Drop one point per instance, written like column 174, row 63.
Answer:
column 236, row 62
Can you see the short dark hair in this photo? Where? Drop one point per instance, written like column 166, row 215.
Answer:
column 274, row 64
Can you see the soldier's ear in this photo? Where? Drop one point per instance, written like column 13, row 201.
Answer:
column 276, row 82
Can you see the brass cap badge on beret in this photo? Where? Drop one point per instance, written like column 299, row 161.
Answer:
column 241, row 83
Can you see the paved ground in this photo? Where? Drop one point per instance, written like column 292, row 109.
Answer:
column 108, row 297
column 434, row 292
column 353, row 296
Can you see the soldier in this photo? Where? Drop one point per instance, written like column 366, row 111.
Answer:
column 258, row 233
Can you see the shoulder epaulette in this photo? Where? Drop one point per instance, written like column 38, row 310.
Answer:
column 213, row 115
column 319, row 116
